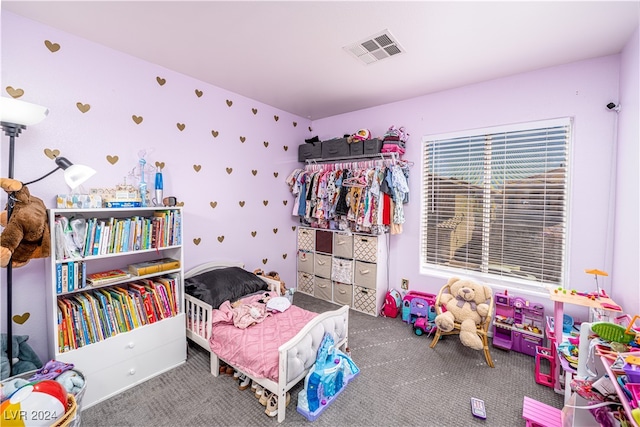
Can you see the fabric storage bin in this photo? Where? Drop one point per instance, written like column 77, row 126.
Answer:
column 365, row 274
column 305, row 262
column 306, row 239
column 342, row 293
column 323, row 266
column 308, row 151
column 335, row 148
column 371, row 146
column 364, row 299
column 343, row 245
column 342, row 270
column 305, row 283
column 322, row 288
column 356, row 148
column 365, row 248
column 324, row 241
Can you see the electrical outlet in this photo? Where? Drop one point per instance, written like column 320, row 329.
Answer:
column 405, row 284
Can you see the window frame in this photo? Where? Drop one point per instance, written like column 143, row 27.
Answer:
column 527, row 286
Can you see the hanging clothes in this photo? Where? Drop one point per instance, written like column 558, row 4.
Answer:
column 364, row 196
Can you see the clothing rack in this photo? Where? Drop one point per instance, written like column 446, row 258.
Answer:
column 356, row 162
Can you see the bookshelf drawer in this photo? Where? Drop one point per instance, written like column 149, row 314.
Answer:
column 323, row 266
column 306, row 239
column 305, row 262
column 305, row 283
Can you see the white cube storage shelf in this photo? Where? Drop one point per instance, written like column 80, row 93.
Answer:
column 343, row 268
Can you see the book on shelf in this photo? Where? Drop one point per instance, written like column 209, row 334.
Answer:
column 106, row 277
column 154, row 266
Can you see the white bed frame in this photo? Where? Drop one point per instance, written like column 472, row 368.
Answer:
column 296, row 356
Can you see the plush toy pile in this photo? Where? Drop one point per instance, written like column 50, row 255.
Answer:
column 467, row 304
column 26, row 233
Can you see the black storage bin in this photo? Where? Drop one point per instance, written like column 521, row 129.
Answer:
column 356, row 148
column 309, row 151
column 372, row 146
column 335, row 148
column 324, row 241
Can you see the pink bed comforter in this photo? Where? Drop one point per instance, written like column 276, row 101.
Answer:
column 254, row 349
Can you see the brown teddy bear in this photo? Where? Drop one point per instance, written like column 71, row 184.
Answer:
column 26, row 235
column 467, row 304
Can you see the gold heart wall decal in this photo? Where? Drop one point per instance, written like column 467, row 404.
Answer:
column 160, row 165
column 254, row 172
column 275, row 174
column 284, row 256
column 310, row 130
column 275, row 231
column 286, row 147
column 52, row 154
column 295, row 124
column 220, row 239
column 253, row 233
column 229, row 103
column 264, row 260
column 20, row 319
column 180, row 204
column 276, row 118
column 213, row 204
column 265, row 202
column 83, row 107
column 215, row 133
column 241, row 203
column 254, row 111
column 53, row 47
column 160, row 81
column 197, row 168
column 229, row 170
column 137, row 119
column 112, row 159
column 266, row 144
column 15, row 93
column 180, row 126
column 243, row 139
column 197, row 241
column 293, row 228
column 284, row 202
column 198, row 93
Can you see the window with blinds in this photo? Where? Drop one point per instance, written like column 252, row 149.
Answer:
column 495, row 202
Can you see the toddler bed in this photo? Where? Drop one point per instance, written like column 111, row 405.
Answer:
column 285, row 353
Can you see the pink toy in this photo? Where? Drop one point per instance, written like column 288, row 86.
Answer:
column 407, row 314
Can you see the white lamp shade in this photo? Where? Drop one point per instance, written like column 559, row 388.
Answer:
column 75, row 175
column 20, row 112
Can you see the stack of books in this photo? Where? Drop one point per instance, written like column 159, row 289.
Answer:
column 154, row 266
column 106, row 277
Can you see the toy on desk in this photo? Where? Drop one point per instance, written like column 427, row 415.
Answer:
column 597, row 273
column 332, row 371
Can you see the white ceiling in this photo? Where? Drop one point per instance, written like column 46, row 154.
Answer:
column 289, row 54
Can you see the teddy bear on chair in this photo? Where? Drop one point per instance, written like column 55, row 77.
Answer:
column 467, row 303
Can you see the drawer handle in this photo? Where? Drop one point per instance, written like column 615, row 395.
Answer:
column 131, row 345
column 321, row 262
column 365, row 271
column 132, row 371
column 322, row 286
column 341, row 242
column 364, row 291
column 342, row 291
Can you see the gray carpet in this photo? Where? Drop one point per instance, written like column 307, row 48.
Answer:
column 402, row 382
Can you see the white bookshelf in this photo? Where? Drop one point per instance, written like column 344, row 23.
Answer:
column 118, row 357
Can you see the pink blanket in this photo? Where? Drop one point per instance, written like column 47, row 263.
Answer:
column 254, row 350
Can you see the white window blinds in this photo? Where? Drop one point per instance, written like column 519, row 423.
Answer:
column 494, row 202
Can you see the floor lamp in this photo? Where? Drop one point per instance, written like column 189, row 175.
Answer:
column 15, row 116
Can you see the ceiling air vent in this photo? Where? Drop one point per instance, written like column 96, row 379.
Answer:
column 375, row 48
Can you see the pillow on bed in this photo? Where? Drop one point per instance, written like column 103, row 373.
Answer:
column 223, row 284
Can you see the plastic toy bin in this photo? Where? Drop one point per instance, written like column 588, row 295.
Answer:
column 632, row 372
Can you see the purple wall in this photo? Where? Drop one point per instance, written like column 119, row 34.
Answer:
column 579, row 90
column 117, row 86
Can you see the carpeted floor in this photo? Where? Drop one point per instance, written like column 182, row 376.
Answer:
column 402, row 382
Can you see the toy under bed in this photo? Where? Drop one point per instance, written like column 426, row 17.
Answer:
column 285, row 355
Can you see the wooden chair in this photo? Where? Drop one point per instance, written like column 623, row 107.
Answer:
column 482, row 329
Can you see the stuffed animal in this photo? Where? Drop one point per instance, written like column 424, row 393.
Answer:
column 467, row 304
column 7, row 388
column 26, row 234
column 72, row 381
column 24, row 358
